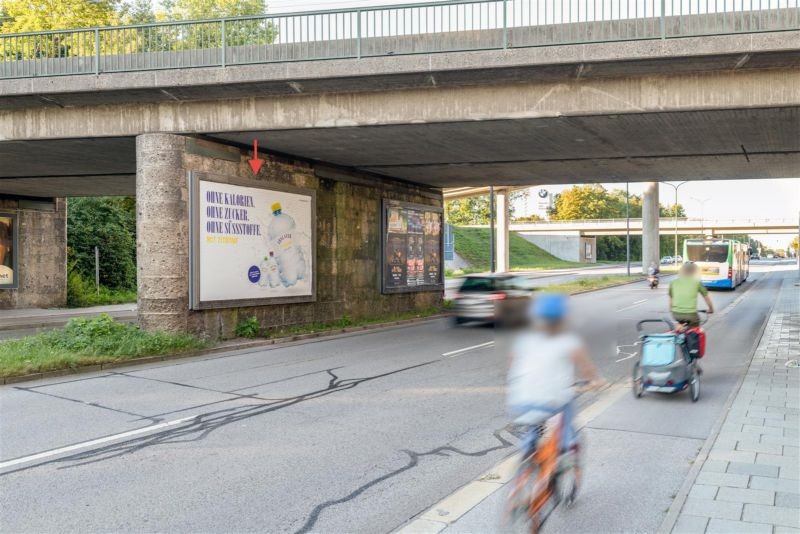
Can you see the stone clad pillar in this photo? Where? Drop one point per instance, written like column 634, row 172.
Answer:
column 162, row 233
column 651, row 250
column 502, row 247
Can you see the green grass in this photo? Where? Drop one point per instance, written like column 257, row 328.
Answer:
column 590, row 283
column 82, row 293
column 84, row 342
column 472, row 244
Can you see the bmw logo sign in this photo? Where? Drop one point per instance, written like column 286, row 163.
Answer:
column 543, row 193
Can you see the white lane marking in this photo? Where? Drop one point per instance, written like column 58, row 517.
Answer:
column 92, row 443
column 628, row 355
column 632, row 305
column 466, row 349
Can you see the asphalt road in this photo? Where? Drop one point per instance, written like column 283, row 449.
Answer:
column 354, row 434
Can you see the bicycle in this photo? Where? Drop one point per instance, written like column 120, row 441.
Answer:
column 546, row 476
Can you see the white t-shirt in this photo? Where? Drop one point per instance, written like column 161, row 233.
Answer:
column 542, row 374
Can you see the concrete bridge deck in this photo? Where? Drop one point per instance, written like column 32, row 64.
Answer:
column 667, row 225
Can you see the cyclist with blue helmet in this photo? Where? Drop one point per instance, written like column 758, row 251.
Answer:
column 546, row 363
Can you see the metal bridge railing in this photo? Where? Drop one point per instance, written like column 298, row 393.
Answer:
column 457, row 25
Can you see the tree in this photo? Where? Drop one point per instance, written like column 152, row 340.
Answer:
column 670, row 211
column 467, row 211
column 138, row 12
column 212, row 9
column 475, row 210
column 110, row 224
column 42, row 15
column 794, row 245
column 582, row 202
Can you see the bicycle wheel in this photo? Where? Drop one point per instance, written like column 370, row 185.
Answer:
column 694, row 388
column 520, row 493
column 638, row 381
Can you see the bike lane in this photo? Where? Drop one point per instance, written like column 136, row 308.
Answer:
column 638, row 452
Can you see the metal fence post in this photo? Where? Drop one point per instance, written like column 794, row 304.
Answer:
column 224, row 49
column 97, row 269
column 358, row 34
column 97, row 51
column 663, row 22
column 505, row 24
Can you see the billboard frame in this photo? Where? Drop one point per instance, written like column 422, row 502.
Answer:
column 195, row 303
column 385, row 205
column 14, row 216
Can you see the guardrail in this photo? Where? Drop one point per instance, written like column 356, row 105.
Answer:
column 457, row 25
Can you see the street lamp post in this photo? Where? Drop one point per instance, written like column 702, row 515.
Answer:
column 628, row 228
column 702, row 202
column 675, row 213
column 493, row 259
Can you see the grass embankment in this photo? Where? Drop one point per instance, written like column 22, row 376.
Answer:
column 591, row 283
column 85, row 342
column 472, row 244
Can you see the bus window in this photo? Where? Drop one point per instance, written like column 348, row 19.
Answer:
column 707, row 253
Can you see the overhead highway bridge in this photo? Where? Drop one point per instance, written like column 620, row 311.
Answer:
column 393, row 101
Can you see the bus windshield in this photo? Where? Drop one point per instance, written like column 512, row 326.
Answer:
column 707, row 252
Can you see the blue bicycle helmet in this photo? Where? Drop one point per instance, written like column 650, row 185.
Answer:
column 549, row 307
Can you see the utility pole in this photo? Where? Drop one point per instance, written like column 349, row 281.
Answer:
column 493, row 261
column 628, row 228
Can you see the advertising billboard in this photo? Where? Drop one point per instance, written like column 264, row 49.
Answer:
column 8, row 251
column 412, row 247
column 252, row 244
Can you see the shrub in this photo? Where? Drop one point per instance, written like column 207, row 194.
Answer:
column 248, row 327
column 82, row 293
column 110, row 224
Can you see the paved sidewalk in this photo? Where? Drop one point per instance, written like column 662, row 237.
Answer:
column 749, row 482
column 23, row 322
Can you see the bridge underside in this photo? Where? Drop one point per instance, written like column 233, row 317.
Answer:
column 686, row 145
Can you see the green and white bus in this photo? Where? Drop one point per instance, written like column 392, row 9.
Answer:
column 721, row 262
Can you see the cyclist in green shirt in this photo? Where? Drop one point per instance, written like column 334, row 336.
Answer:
column 683, row 293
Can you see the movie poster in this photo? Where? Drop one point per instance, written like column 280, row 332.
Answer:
column 412, row 248
column 8, row 278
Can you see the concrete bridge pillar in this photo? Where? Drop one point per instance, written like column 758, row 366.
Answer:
column 503, row 237
column 162, row 232
column 651, row 249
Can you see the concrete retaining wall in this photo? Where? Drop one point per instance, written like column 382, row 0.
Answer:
column 566, row 247
column 348, row 238
column 42, row 257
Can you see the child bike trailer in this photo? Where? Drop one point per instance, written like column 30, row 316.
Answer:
column 664, row 365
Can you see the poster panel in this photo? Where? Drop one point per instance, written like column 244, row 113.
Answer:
column 8, row 252
column 412, row 247
column 253, row 245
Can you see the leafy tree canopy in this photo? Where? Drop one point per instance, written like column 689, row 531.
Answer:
column 596, row 202
column 211, row 9
column 42, row 15
column 110, row 224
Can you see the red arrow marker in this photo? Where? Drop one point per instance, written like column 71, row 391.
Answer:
column 255, row 163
